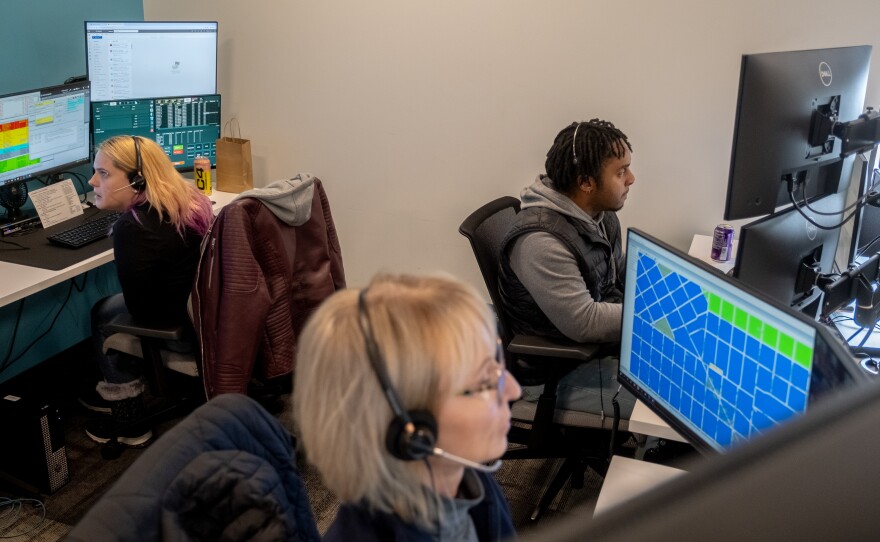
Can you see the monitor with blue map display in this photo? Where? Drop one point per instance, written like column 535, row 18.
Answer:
column 717, row 361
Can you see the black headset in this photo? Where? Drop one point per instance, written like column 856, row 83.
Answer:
column 412, row 433
column 136, row 179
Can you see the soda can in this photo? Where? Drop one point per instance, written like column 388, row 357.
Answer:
column 202, row 167
column 722, row 242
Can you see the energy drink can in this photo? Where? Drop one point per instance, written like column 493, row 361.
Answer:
column 722, row 242
column 202, row 168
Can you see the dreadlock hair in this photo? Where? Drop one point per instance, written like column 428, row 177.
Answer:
column 569, row 159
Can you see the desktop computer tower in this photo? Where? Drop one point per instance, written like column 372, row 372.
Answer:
column 33, row 449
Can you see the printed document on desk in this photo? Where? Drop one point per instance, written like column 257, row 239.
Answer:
column 56, row 203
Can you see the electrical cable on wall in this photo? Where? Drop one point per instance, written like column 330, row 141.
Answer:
column 8, row 362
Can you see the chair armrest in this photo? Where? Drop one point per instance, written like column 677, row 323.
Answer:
column 532, row 345
column 125, row 323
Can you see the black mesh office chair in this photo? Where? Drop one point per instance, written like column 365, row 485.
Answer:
column 581, row 438
column 172, row 378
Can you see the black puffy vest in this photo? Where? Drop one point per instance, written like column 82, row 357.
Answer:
column 593, row 254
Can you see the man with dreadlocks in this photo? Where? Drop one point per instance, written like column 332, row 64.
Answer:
column 562, row 265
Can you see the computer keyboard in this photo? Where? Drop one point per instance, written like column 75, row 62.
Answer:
column 87, row 232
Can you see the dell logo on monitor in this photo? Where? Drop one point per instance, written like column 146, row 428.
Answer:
column 825, row 73
column 811, row 229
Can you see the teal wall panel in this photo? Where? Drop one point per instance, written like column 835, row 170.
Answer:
column 43, row 44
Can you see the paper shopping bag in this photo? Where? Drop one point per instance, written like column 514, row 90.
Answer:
column 235, row 172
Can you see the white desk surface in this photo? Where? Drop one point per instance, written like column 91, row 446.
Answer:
column 701, row 248
column 20, row 281
column 644, row 422
column 626, row 478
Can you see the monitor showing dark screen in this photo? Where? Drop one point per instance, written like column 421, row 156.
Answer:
column 717, row 362
column 184, row 126
column 778, row 95
column 43, row 131
column 782, row 255
column 865, row 237
column 128, row 60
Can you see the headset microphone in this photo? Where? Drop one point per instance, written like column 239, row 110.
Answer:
column 467, row 462
column 129, row 185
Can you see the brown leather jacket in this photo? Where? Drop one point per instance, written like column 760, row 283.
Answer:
column 258, row 281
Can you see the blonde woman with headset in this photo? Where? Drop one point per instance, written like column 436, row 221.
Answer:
column 156, row 242
column 401, row 397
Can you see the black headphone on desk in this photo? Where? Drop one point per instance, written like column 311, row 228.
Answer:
column 136, row 178
column 412, row 433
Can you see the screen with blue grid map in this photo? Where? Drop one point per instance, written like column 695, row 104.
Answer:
column 725, row 363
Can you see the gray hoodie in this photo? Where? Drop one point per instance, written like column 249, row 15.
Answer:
column 289, row 199
column 549, row 271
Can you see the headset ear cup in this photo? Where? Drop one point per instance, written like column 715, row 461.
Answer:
column 420, row 443
column 137, row 181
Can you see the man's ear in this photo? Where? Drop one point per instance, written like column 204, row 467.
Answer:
column 586, row 184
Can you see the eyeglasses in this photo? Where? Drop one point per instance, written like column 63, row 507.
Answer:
column 496, row 381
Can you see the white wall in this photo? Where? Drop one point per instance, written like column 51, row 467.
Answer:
column 414, row 113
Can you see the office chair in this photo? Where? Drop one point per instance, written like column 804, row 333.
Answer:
column 552, row 432
column 172, row 377
column 259, row 279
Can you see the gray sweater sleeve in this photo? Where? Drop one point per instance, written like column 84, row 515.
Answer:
column 550, row 273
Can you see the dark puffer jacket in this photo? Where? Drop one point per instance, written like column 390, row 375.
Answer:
column 226, row 472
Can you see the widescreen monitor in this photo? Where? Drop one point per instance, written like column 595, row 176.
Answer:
column 184, row 126
column 147, row 59
column 717, row 361
column 781, row 98
column 813, row 479
column 43, row 131
column 784, row 254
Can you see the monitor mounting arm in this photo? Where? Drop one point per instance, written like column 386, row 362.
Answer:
column 856, row 136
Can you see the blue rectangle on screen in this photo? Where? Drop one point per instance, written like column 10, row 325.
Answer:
column 753, row 348
column 723, row 434
column 780, row 390
column 738, row 339
column 749, row 374
column 800, row 376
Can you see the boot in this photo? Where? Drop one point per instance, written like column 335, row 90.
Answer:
column 126, row 409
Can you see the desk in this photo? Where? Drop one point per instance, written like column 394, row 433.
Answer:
column 701, row 248
column 45, row 301
column 626, row 478
column 644, row 422
column 20, row 281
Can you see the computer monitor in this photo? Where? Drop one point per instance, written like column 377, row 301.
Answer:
column 128, row 60
column 782, row 255
column 718, row 361
column 865, row 236
column 43, row 131
column 783, row 99
column 811, row 479
column 184, row 126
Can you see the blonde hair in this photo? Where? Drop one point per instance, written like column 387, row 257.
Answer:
column 176, row 199
column 430, row 332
